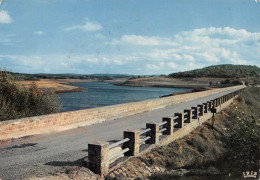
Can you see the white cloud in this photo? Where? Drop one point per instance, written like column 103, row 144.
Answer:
column 163, row 54
column 106, row 60
column 209, row 57
column 209, row 46
column 152, row 67
column 92, row 60
column 117, row 62
column 88, row 26
column 172, row 65
column 188, row 57
column 143, row 40
column 5, row 17
column 39, row 33
column 193, row 49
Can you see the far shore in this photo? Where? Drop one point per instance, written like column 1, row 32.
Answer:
column 64, row 85
column 57, row 85
column 193, row 83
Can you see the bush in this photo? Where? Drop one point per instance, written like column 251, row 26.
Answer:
column 243, row 146
column 17, row 101
column 243, row 142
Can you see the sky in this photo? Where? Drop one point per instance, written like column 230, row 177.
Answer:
column 141, row 37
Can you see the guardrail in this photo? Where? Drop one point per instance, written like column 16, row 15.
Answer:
column 99, row 157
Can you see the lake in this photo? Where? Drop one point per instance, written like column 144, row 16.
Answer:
column 100, row 94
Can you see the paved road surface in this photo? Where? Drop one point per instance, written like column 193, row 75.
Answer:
column 49, row 153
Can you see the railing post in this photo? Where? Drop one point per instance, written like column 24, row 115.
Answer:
column 133, row 143
column 201, row 109
column 206, row 107
column 98, row 155
column 168, row 125
column 179, row 120
column 154, row 133
column 215, row 103
column 188, row 115
column 194, row 112
column 212, row 104
column 209, row 105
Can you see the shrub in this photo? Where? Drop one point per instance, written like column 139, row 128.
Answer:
column 243, row 142
column 17, row 101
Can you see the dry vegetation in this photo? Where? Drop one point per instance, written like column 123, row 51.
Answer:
column 58, row 86
column 17, row 101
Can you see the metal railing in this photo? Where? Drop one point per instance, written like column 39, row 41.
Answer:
column 127, row 147
column 118, row 153
column 163, row 123
column 144, row 139
column 118, row 143
column 144, row 131
column 176, row 123
column 164, row 129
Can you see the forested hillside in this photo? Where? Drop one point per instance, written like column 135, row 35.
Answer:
column 221, row 71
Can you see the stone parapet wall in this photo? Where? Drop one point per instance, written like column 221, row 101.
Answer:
column 73, row 119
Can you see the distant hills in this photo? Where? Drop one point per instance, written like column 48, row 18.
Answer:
column 216, row 71
column 220, row 71
column 33, row 77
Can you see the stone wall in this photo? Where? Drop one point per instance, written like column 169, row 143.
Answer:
column 68, row 120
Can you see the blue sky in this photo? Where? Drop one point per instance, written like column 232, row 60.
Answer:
column 127, row 36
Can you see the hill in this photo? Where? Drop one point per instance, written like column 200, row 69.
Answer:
column 37, row 77
column 220, row 71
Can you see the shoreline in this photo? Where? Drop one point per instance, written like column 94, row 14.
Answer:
column 193, row 83
column 192, row 86
column 64, row 85
column 57, row 85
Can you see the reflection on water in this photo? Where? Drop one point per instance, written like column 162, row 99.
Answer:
column 104, row 94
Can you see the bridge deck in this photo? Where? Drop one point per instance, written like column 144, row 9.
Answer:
column 43, row 154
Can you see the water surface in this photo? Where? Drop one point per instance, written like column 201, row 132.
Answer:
column 100, row 94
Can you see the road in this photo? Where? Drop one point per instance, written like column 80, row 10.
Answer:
column 49, row 153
